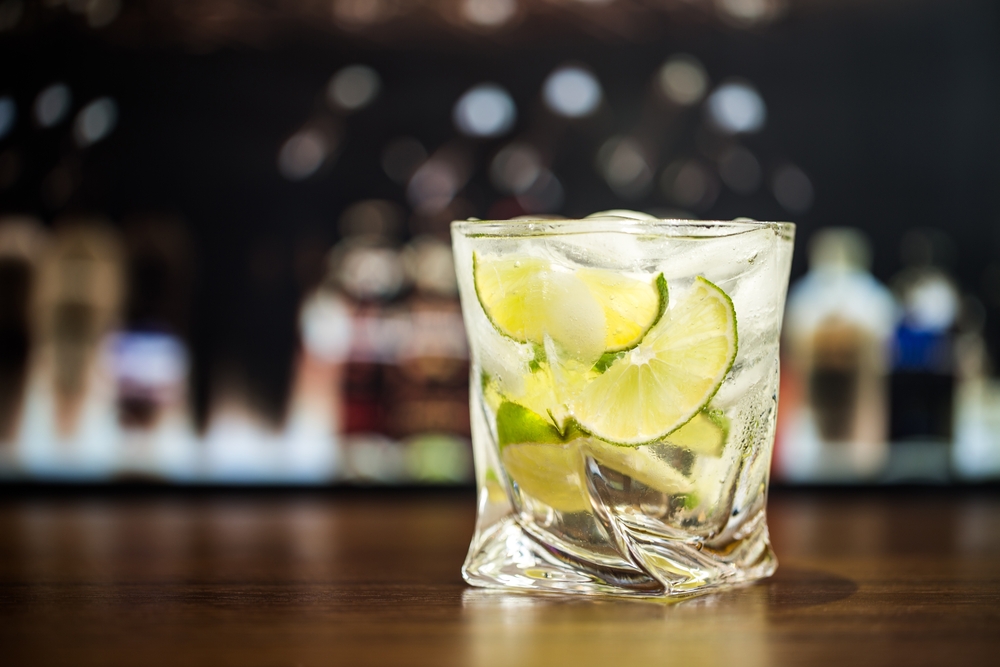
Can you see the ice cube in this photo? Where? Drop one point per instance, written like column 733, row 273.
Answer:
column 721, row 259
column 621, row 251
column 575, row 318
column 502, row 358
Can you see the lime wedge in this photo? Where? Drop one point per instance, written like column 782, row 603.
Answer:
column 658, row 386
column 587, row 312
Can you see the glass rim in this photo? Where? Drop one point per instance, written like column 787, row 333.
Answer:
column 673, row 227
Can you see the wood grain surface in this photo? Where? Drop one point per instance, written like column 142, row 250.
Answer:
column 867, row 578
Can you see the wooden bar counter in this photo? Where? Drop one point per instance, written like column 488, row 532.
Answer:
column 888, row 577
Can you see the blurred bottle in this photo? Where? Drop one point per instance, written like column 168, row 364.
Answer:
column 69, row 422
column 838, row 328
column 924, row 370
column 316, row 416
column 150, row 354
column 249, row 340
column 427, row 391
column 975, row 453
column 369, row 271
column 22, row 240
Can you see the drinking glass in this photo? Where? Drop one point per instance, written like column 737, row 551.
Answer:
column 624, row 393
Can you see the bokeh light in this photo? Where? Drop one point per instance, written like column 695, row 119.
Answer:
column 515, row 168
column 95, row 121
column 489, row 13
column 624, row 167
column 745, row 13
column 371, row 272
column 52, row 104
column 303, row 154
column 371, row 217
column 683, row 80
column 354, row 87
column 360, row 13
column 430, row 266
column 689, row 183
column 486, row 110
column 436, row 182
column 792, row 188
column 736, row 107
column 545, row 195
column 572, row 91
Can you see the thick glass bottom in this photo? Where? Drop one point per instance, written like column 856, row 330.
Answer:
column 507, row 555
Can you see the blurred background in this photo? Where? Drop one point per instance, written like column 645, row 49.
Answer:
column 224, row 251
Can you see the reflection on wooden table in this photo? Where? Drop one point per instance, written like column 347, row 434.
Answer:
column 361, row 578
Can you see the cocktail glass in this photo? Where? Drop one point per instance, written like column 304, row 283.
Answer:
column 623, row 400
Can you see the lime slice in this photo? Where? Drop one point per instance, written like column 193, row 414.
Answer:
column 704, row 434
column 630, row 306
column 538, row 460
column 652, row 390
column 546, row 461
column 517, row 424
column 587, row 312
column 508, row 289
column 491, row 394
column 540, row 391
column 551, row 474
column 641, row 464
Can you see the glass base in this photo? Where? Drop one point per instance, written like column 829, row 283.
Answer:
column 506, row 555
